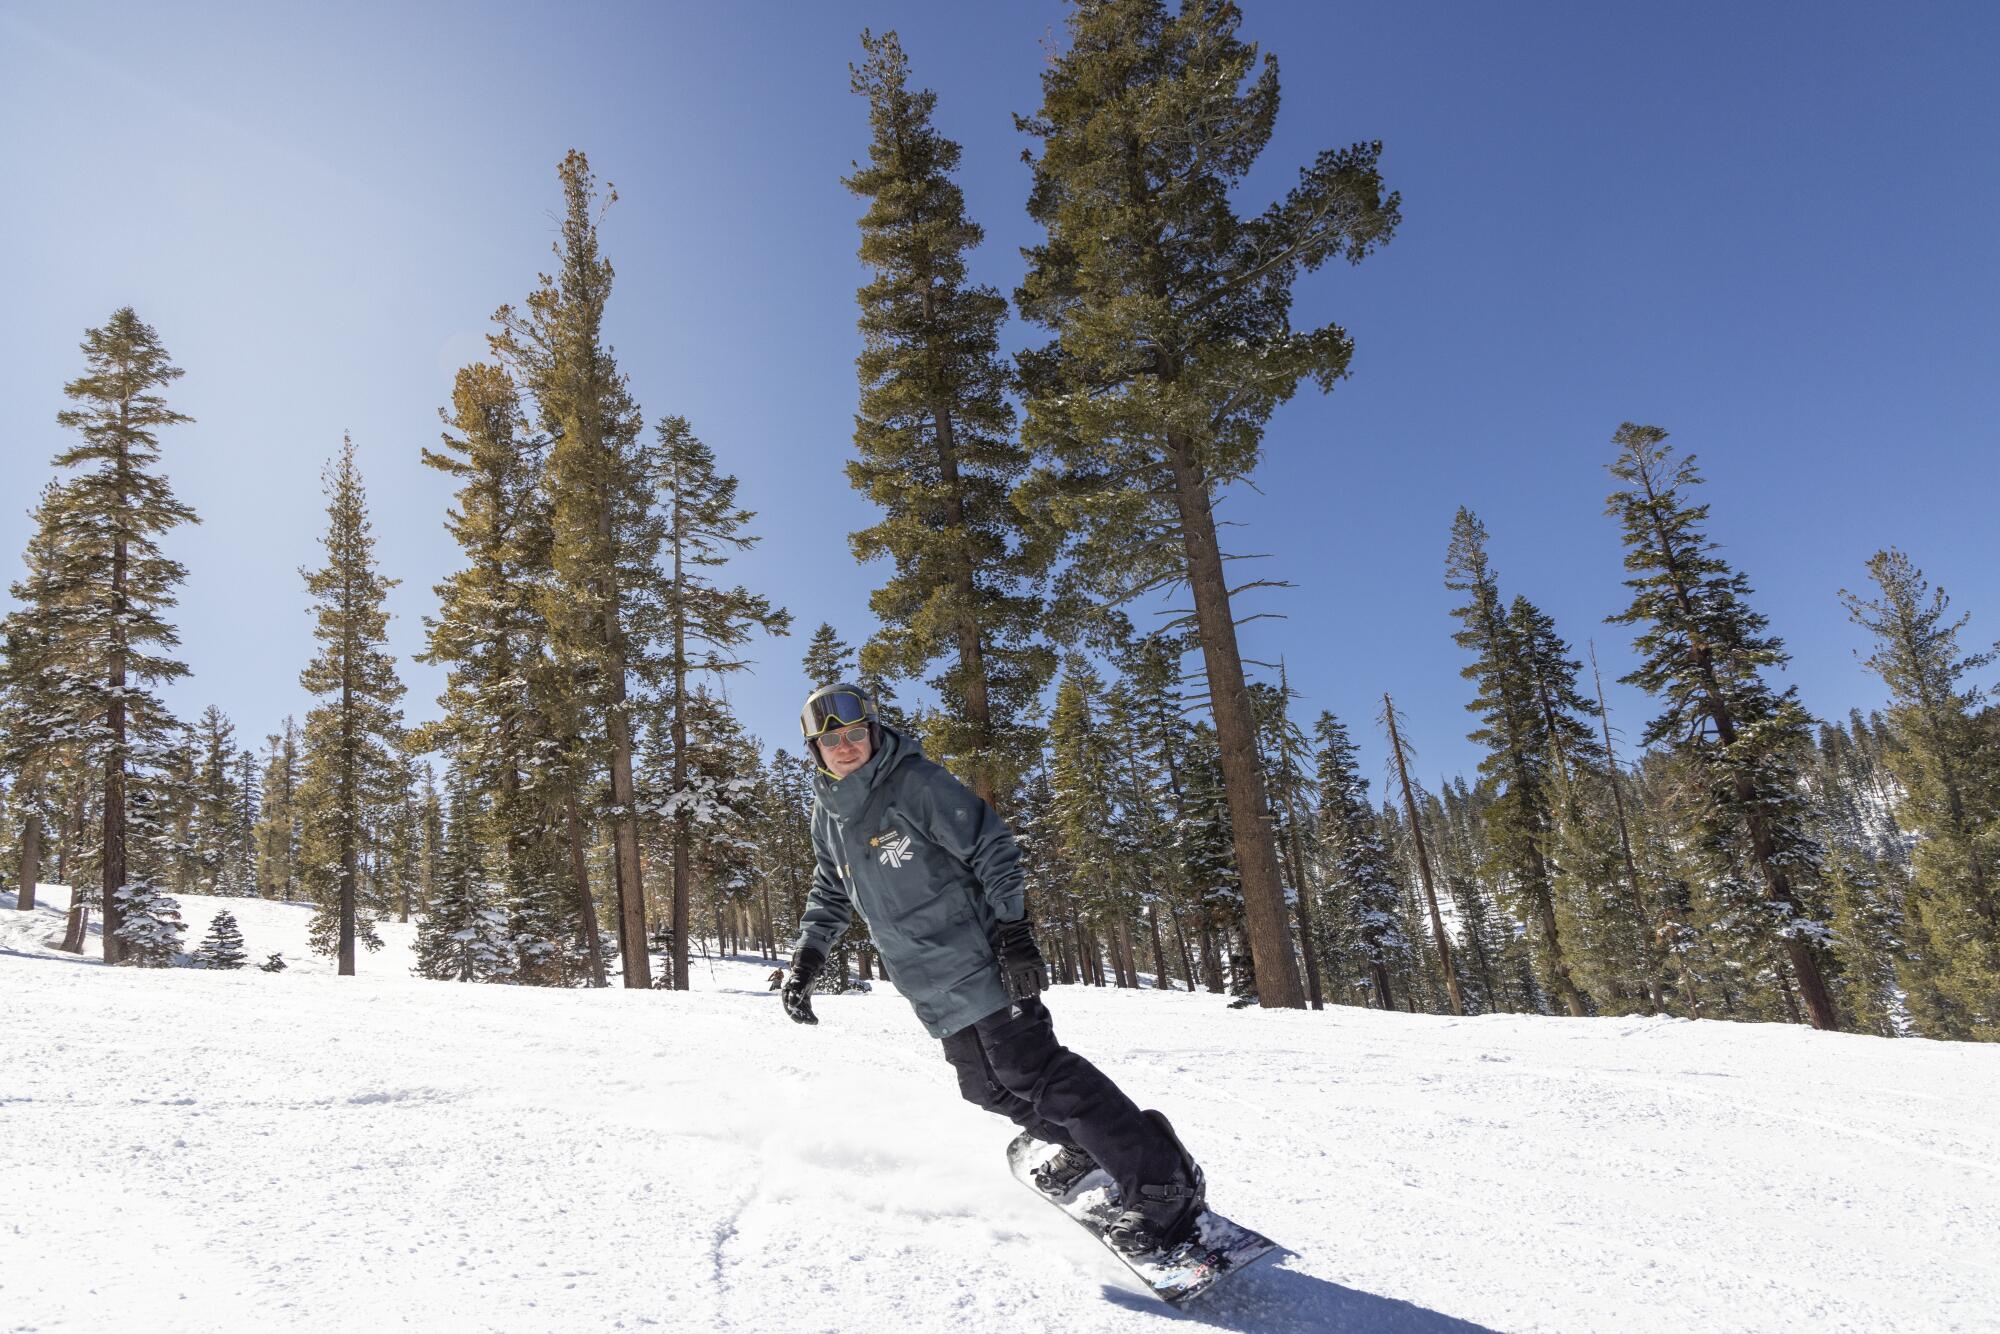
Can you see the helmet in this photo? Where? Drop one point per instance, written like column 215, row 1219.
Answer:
column 839, row 706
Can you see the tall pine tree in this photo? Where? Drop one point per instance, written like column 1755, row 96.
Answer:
column 351, row 767
column 508, row 715
column 1948, row 764
column 936, row 448
column 601, row 602
column 278, row 823
column 1173, row 338
column 705, row 625
column 114, row 508
column 1368, row 942
column 1703, row 654
column 1514, row 728
column 42, row 709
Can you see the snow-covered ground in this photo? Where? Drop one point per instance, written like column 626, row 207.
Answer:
column 199, row 1151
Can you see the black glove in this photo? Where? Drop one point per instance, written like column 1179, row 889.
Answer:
column 797, row 995
column 1022, row 967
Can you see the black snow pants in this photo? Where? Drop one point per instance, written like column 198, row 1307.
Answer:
column 1010, row 1063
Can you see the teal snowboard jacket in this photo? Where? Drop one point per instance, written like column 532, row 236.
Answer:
column 931, row 868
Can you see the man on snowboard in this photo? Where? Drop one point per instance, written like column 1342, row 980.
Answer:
column 937, row 877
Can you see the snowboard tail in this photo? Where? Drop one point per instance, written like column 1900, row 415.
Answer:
column 1216, row 1249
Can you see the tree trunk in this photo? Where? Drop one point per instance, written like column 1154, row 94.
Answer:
column 1183, row 955
column 1211, row 960
column 350, row 802
column 579, row 870
column 1382, row 992
column 1305, row 913
column 1164, row 979
column 1785, row 987
column 1423, row 862
column 1235, row 728
column 683, row 843
column 971, row 658
column 31, row 860
column 625, row 836
column 115, row 873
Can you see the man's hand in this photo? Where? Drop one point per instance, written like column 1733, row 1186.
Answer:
column 797, row 995
column 1021, row 965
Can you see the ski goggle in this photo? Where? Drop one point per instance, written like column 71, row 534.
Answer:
column 833, row 708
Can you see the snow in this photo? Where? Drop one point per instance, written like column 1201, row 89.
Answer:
column 200, row 1151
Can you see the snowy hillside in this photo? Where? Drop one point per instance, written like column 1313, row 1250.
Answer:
column 193, row 1151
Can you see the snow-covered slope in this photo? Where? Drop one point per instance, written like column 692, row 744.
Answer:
column 199, row 1151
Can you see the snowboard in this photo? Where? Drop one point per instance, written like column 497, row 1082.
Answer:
column 1216, row 1249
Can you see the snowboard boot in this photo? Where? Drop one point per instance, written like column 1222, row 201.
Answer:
column 1057, row 1177
column 1165, row 1213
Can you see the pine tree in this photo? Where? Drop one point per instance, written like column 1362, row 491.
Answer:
column 1361, row 894
column 172, row 812
column 1703, row 654
column 705, row 625
column 1149, row 709
column 351, row 738
column 605, row 533
column 239, row 870
column 278, row 823
column 1948, row 763
column 1046, row 873
column 1205, row 845
column 1884, row 985
column 222, row 947
column 828, row 658
column 509, row 713
column 463, row 934
column 1281, row 747
column 212, row 801
column 936, row 450
column 785, row 855
column 110, row 514
column 1457, row 813
column 1082, row 778
column 42, row 710
column 705, row 793
column 1173, row 339
column 1514, row 728
column 1146, row 793
column 1447, row 964
column 150, row 919
column 1600, row 910
column 430, row 836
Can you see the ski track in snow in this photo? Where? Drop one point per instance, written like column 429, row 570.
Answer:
column 195, row 1151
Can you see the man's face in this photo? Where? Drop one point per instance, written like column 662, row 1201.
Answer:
column 845, row 749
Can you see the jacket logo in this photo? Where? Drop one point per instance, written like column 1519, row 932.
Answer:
column 895, row 848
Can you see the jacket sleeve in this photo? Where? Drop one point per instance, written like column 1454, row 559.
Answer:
column 828, row 909
column 970, row 830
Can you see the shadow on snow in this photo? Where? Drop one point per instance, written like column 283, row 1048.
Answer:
column 1266, row 1298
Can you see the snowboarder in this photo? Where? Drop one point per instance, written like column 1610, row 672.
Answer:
column 937, row 877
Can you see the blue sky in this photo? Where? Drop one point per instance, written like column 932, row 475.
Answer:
column 1768, row 228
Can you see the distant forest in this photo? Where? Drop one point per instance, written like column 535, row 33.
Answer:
column 588, row 807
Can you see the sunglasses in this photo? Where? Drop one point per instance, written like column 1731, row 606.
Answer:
column 846, row 736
